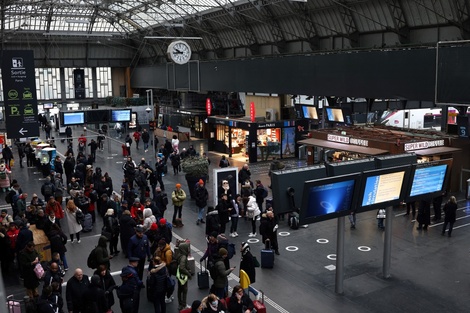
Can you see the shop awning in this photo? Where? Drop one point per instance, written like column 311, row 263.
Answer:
column 342, row 147
column 436, row 151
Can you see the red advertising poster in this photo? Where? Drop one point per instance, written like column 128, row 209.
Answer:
column 208, row 106
column 252, row 111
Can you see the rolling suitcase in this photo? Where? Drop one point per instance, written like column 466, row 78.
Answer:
column 88, row 223
column 192, row 264
column 13, row 306
column 259, row 305
column 203, row 277
column 267, row 256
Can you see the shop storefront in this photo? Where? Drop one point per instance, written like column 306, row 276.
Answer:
column 258, row 141
column 190, row 120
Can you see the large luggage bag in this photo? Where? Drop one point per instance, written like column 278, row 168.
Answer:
column 88, row 223
column 13, row 306
column 267, row 255
column 259, row 305
column 203, row 277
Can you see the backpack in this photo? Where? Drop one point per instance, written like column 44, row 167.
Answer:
column 265, row 192
column 213, row 271
column 164, row 198
column 92, row 261
column 293, row 221
column 9, row 197
column 231, row 250
column 47, row 189
column 79, row 216
column 3, row 175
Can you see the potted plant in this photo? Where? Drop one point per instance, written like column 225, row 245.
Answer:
column 195, row 168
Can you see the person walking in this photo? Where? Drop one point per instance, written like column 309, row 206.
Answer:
column 178, row 196
column 450, row 210
column 76, row 287
column 201, row 196
column 137, row 136
column 145, row 139
column 111, row 227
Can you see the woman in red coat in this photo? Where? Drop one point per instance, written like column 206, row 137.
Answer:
column 55, row 207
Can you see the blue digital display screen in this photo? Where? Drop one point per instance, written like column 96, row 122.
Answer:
column 330, row 198
column 428, row 180
column 383, row 188
column 335, row 115
column 121, row 116
column 310, row 112
column 74, row 118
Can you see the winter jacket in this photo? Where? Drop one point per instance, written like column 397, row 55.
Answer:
column 101, row 252
column 201, row 196
column 178, row 197
column 252, row 209
column 182, row 260
column 158, row 280
column 248, row 265
column 221, row 279
column 139, row 247
column 149, row 219
column 212, row 222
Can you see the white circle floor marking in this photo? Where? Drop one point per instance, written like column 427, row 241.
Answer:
column 364, row 248
column 322, row 241
column 292, row 248
column 252, row 240
column 283, row 233
column 331, row 257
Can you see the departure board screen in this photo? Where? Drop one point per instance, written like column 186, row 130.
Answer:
column 383, row 188
column 428, row 180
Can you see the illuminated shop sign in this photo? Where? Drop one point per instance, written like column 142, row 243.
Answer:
column 424, row 145
column 348, row 140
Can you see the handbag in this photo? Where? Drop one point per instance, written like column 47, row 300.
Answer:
column 381, row 213
column 256, row 262
column 39, row 271
column 79, row 216
column 105, row 233
column 183, row 279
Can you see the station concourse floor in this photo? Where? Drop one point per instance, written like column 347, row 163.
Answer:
column 429, row 272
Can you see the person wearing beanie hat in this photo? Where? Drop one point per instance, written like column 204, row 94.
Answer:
column 166, row 255
column 178, row 196
column 165, row 231
column 201, row 195
column 212, row 250
column 154, row 226
column 221, row 274
column 248, row 264
column 212, row 220
column 196, row 306
column 111, row 231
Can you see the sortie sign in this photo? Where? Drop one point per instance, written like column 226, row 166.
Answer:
column 19, row 92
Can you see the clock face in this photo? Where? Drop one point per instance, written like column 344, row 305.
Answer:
column 179, row 52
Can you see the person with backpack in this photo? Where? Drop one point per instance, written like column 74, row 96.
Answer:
column 47, row 189
column 223, row 162
column 101, row 253
column 201, row 196
column 157, row 284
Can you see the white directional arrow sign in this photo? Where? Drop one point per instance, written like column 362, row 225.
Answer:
column 22, row 131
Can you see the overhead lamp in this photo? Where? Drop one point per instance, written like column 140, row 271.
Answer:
column 75, row 21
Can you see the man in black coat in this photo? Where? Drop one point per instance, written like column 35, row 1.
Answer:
column 69, row 167
column 76, row 287
column 127, row 225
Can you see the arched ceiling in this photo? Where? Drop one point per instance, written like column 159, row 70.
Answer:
column 231, row 29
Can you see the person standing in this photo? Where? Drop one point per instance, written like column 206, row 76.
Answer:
column 21, row 153
column 220, row 287
column 27, row 259
column 7, row 155
column 139, row 247
column 224, row 162
column 93, row 147
column 223, row 207
column 178, row 196
column 129, row 291
column 450, row 209
column 268, row 230
column 252, row 212
column 235, row 210
column 128, row 141
column 184, row 274
column 201, row 196
column 136, row 136
column 126, row 229
column 145, row 139
column 107, row 283
column 94, row 297
column 101, row 252
column 30, row 158
column 424, row 214
column 76, row 286
column 71, row 216
column 158, row 283
column 111, row 225
column 436, row 204
column 247, row 264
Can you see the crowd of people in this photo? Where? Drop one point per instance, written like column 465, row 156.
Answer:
column 78, row 194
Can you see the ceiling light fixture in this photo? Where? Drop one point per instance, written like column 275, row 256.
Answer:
column 74, row 21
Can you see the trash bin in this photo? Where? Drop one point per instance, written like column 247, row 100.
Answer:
column 302, row 152
column 468, row 189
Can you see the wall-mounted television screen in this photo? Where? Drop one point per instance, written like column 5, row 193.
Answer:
column 382, row 188
column 335, row 115
column 48, row 105
column 73, row 118
column 328, row 198
column 121, row 115
column 310, row 112
column 97, row 116
column 428, row 179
